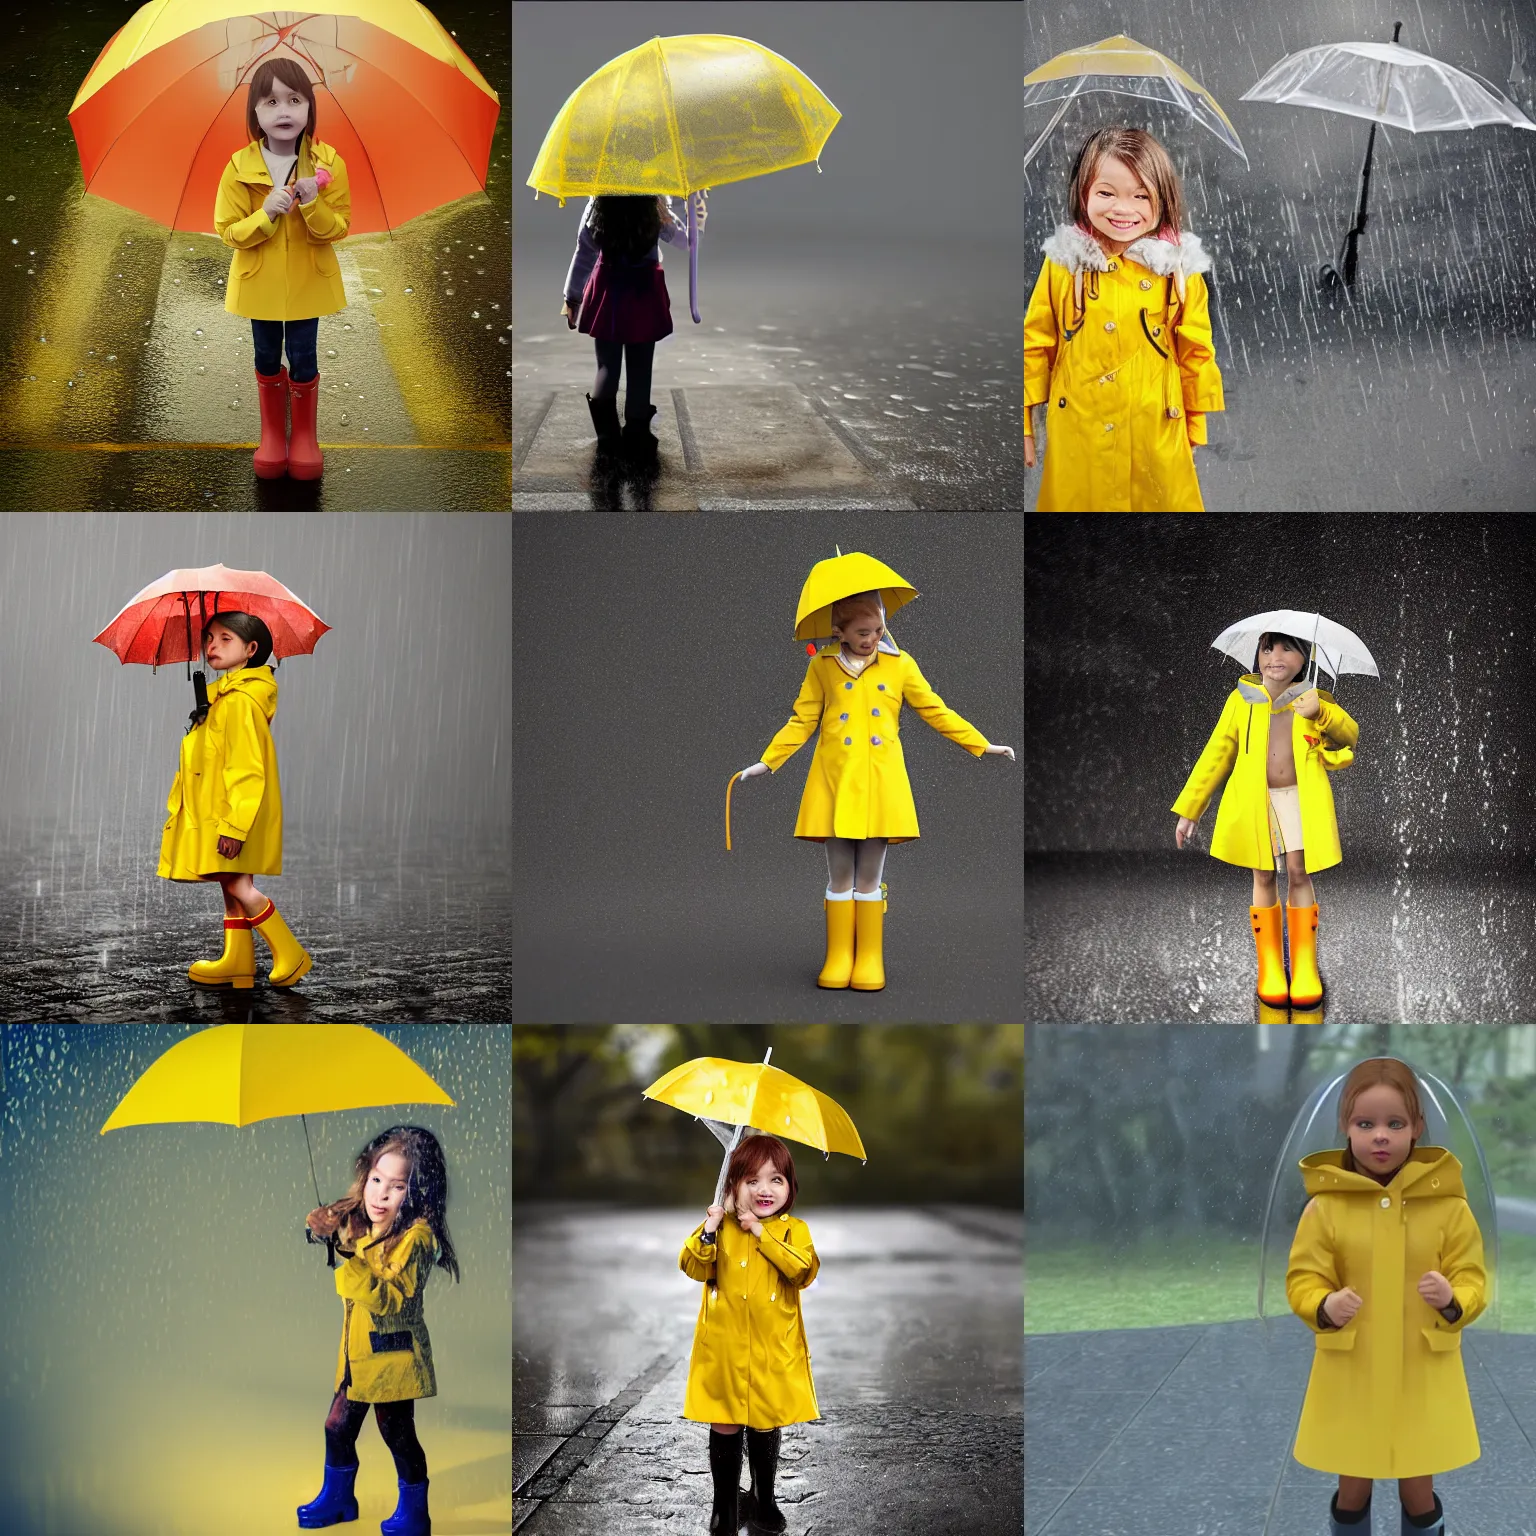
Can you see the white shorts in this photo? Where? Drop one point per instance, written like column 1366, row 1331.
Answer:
column 1285, row 820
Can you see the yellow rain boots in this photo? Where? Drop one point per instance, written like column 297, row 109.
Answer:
column 290, row 960
column 868, row 936
column 236, row 967
column 838, row 966
column 1306, row 984
column 1266, row 922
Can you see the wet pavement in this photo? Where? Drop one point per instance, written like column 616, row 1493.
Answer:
column 915, row 1331
column 124, row 383
column 398, row 934
column 851, row 378
column 1143, row 938
column 1164, row 1431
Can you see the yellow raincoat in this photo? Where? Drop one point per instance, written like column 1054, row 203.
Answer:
column 858, row 785
column 1388, row 1394
column 1119, row 350
column 386, row 1354
column 750, row 1362
column 1240, row 744
column 226, row 785
column 284, row 270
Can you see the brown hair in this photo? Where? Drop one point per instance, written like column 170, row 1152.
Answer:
column 1376, row 1072
column 285, row 72
column 861, row 602
column 1148, row 161
column 750, row 1156
column 426, row 1191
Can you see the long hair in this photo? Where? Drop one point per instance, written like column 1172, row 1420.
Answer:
column 284, row 72
column 1148, row 161
column 248, row 627
column 426, row 1193
column 626, row 227
column 750, row 1156
column 1378, row 1071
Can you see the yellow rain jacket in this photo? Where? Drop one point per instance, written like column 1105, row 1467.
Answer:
column 386, row 1354
column 1240, row 745
column 226, row 785
column 1388, row 1395
column 284, row 270
column 858, row 785
column 1119, row 350
column 750, row 1363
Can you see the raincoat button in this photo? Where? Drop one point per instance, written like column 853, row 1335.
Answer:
column 875, row 711
column 1062, row 402
column 743, row 1263
column 1157, row 330
column 847, row 741
column 1386, row 1200
column 843, row 716
column 1434, row 1183
column 1145, row 283
column 1109, row 426
column 874, row 741
column 1113, row 267
column 773, row 1296
column 847, row 685
column 880, row 686
column 1109, row 325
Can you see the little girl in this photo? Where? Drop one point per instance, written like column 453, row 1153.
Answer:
column 224, row 816
column 394, row 1224
column 621, row 303
column 1117, row 338
column 1388, row 1395
column 750, row 1363
column 857, row 797
column 284, row 274
column 1278, row 804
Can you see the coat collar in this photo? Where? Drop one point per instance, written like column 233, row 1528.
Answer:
column 1252, row 688
column 250, row 166
column 1428, row 1171
column 1079, row 252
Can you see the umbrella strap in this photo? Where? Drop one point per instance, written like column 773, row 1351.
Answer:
column 728, row 788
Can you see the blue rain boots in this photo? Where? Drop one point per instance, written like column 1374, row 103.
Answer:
column 411, row 1516
column 1432, row 1524
column 336, row 1501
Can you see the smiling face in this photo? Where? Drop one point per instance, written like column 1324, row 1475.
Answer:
column 283, row 115
column 1280, row 664
column 1120, row 208
column 762, row 1193
column 225, row 649
column 1380, row 1133
column 384, row 1190
column 860, row 631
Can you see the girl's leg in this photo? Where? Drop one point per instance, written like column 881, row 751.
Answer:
column 1298, row 883
column 342, row 1424
column 1354, row 1493
column 638, row 358
column 232, row 907
column 610, row 360
column 869, row 863
column 841, row 862
column 397, row 1424
column 242, row 889
column 303, row 338
column 268, row 338
column 1265, row 890
column 1417, row 1494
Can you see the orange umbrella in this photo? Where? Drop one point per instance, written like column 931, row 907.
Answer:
column 164, row 106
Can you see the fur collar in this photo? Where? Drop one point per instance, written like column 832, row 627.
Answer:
column 1069, row 247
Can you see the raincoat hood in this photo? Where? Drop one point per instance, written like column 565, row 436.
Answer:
column 1426, row 1171
column 1251, row 686
column 256, row 683
column 1079, row 252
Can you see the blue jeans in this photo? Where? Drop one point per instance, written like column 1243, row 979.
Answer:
column 302, row 337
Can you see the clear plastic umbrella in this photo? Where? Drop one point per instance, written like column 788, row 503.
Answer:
column 1389, row 84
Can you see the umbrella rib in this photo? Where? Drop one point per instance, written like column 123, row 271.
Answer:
column 378, row 185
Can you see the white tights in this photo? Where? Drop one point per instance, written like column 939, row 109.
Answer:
column 855, row 863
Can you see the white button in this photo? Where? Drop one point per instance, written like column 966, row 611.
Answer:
column 1109, row 325
column 1109, row 426
column 772, row 1296
column 1386, row 1200
column 1145, row 283
column 744, row 1262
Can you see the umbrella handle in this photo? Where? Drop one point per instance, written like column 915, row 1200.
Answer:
column 730, row 785
column 693, row 266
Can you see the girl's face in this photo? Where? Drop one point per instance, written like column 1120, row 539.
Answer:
column 1120, row 208
column 763, row 1192
column 1280, row 664
column 225, row 649
column 282, row 113
column 860, row 634
column 384, row 1189
column 1380, row 1133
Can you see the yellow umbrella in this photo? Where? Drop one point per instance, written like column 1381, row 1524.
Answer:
column 751, row 1096
column 831, row 580
column 235, row 1074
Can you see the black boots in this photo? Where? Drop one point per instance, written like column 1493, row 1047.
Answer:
column 605, row 421
column 1349, row 1524
column 725, row 1468
column 639, row 446
column 763, row 1455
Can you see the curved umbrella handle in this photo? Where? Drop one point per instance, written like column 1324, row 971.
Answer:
column 730, row 785
column 693, row 279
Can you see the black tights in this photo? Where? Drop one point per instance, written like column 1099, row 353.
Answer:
column 638, row 357
column 397, row 1424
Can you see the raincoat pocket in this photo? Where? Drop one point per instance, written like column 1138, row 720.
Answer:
column 1441, row 1339
column 325, row 260
column 248, row 261
column 1343, row 1338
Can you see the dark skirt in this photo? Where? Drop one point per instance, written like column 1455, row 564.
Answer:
column 626, row 302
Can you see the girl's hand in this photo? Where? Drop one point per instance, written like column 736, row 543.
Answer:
column 1341, row 1306
column 229, row 847
column 570, row 315
column 306, row 189
column 713, row 1217
column 1000, row 752
column 322, row 1221
column 1029, row 453
column 1308, row 704
column 1433, row 1287
column 748, row 1222
column 754, row 770
column 279, row 202
column 1184, row 831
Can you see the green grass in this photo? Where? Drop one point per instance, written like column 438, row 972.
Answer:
column 1163, row 1280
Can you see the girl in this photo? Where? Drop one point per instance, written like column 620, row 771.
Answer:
column 857, row 797
column 1387, row 1396
column 224, row 817
column 1278, row 805
column 750, row 1363
column 622, row 304
column 1122, row 359
column 284, row 274
column 394, row 1222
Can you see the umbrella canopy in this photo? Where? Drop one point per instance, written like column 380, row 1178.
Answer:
column 840, row 577
column 1336, row 648
column 156, row 627
column 164, row 106
column 1128, row 68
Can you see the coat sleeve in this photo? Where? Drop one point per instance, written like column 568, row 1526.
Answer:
column 173, row 800
column 697, row 1259
column 1214, row 765
column 1040, row 342
column 1197, row 358
column 329, row 217
column 1313, row 1269
column 384, row 1286
column 582, row 261
column 802, row 725
column 1461, row 1262
column 1336, row 724
column 922, row 698
column 245, row 770
column 796, row 1260
column 233, row 221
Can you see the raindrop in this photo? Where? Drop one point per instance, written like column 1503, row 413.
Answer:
column 29, row 271
column 345, row 418
column 111, row 357
column 479, row 247
column 330, row 352
column 495, row 306
column 410, row 290
column 202, row 370
column 474, row 314
column 347, row 326
column 11, row 198
column 197, row 333
column 71, row 383
column 448, row 290
column 375, row 290
column 176, row 282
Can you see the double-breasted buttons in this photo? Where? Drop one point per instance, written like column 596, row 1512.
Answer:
column 1109, row 426
column 847, row 741
column 847, row 685
column 1434, row 1183
column 1109, row 325
column 874, row 741
column 880, row 686
column 875, row 710
column 773, row 1295
column 743, row 1263
column 843, row 716
column 1386, row 1201
column 1145, row 283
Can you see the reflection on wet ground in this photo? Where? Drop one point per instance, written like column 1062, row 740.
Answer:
column 915, row 1332
column 1138, row 938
